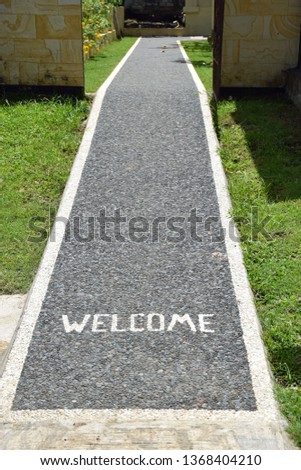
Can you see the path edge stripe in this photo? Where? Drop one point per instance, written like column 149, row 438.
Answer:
column 32, row 308
column 261, row 374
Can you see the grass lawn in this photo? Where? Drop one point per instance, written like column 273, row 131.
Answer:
column 261, row 152
column 98, row 68
column 39, row 138
column 200, row 54
column 38, row 141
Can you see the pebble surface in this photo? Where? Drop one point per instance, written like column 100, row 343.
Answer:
column 149, row 158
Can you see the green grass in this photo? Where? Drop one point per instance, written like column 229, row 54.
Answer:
column 38, row 141
column 200, row 54
column 98, row 68
column 261, row 153
column 39, row 138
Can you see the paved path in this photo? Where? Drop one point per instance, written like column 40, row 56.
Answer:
column 147, row 316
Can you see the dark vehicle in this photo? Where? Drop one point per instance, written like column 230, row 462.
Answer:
column 154, row 10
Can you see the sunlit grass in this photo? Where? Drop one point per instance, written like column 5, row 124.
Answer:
column 38, row 141
column 98, row 68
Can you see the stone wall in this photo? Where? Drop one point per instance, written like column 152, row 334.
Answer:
column 261, row 39
column 41, row 43
column 199, row 17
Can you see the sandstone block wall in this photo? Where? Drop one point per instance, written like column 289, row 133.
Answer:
column 261, row 39
column 199, row 17
column 41, row 43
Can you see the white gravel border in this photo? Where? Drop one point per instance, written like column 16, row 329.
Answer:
column 259, row 368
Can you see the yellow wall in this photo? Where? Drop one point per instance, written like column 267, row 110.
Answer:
column 261, row 39
column 41, row 43
column 198, row 17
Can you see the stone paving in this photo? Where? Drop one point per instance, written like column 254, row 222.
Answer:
column 11, row 307
column 143, row 315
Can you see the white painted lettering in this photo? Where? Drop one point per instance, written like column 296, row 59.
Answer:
column 133, row 326
column 181, row 319
column 138, row 322
column 203, row 323
column 115, row 324
column 97, row 322
column 78, row 327
column 150, row 322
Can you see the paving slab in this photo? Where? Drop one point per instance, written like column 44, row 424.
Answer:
column 141, row 323
column 134, row 432
column 11, row 307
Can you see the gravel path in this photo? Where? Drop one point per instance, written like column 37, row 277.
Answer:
column 159, row 321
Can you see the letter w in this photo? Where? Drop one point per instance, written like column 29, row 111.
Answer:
column 78, row 327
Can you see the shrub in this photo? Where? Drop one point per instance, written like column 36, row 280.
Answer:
column 97, row 20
